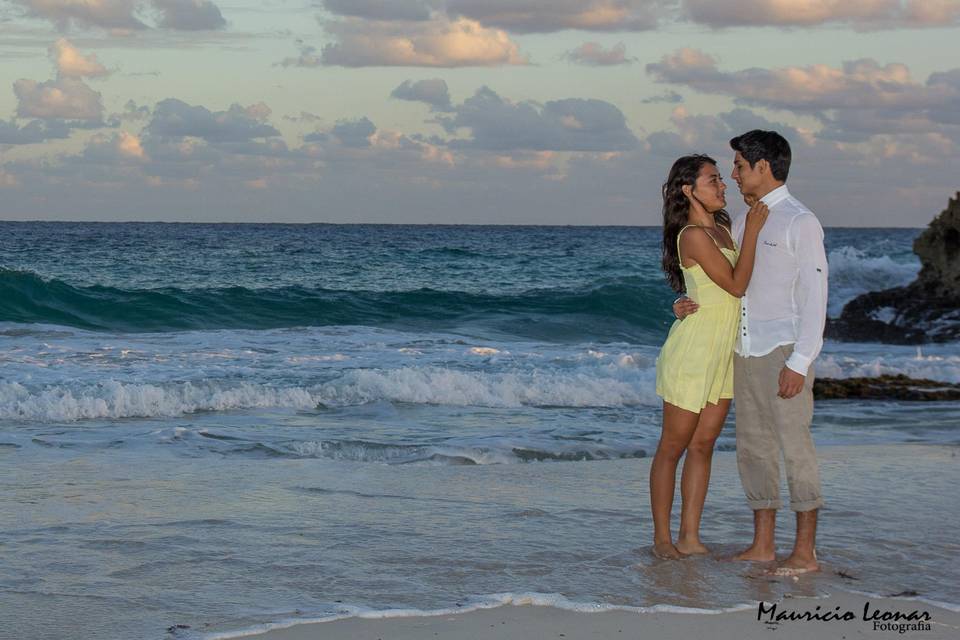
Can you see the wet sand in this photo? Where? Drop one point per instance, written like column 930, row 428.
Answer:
column 511, row 622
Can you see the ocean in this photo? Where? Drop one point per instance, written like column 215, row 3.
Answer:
column 226, row 426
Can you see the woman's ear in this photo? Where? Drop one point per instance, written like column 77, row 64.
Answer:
column 687, row 190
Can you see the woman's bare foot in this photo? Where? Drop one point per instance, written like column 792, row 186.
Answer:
column 666, row 551
column 691, row 548
column 794, row 566
column 754, row 554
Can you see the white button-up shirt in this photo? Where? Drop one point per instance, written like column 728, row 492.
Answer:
column 786, row 300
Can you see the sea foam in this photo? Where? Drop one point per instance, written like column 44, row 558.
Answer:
column 854, row 272
column 477, row 603
column 414, row 385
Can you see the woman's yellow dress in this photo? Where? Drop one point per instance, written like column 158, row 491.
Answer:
column 695, row 365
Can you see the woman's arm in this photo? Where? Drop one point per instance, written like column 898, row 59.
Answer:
column 699, row 248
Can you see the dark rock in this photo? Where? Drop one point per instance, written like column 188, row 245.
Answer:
column 898, row 387
column 926, row 310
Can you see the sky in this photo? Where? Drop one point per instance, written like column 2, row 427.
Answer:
column 468, row 111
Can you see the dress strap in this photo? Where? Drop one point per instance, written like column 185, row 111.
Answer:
column 679, row 259
column 730, row 233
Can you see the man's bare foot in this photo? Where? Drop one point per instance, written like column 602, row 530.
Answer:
column 691, row 548
column 795, row 566
column 666, row 551
column 753, row 554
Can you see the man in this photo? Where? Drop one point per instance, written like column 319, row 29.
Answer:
column 781, row 332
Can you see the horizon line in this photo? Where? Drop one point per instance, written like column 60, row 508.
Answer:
column 402, row 224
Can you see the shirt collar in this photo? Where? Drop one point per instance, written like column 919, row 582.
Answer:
column 777, row 195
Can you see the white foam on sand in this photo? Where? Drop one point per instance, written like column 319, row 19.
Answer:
column 491, row 601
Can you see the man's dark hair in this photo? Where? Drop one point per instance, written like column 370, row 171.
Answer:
column 765, row 145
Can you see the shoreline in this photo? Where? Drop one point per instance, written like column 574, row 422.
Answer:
column 839, row 614
column 430, row 536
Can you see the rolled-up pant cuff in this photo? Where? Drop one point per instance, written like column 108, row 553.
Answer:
column 756, row 505
column 806, row 505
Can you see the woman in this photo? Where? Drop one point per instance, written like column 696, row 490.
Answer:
column 695, row 367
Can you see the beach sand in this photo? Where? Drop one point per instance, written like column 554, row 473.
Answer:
column 129, row 548
column 509, row 622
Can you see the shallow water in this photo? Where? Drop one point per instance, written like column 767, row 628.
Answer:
column 101, row 545
column 226, row 425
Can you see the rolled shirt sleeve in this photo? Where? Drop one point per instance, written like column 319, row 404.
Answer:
column 810, row 293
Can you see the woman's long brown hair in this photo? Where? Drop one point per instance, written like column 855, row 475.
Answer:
column 676, row 207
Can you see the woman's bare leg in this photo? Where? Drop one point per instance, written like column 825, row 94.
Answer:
column 679, row 426
column 696, row 475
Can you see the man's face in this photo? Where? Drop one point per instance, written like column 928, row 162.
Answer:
column 747, row 178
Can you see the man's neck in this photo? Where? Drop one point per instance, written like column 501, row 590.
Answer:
column 767, row 188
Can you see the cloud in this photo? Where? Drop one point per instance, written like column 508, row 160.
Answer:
column 544, row 16
column 434, row 92
column 560, row 125
column 863, row 14
column 844, row 183
column 64, row 103
column 931, row 13
column 8, row 180
column 121, row 15
column 345, row 173
column 435, row 43
column 131, row 111
column 118, row 148
column 355, row 133
column 65, row 99
column 691, row 67
column 305, row 116
column 258, row 111
column 349, row 133
column 873, row 181
column 109, row 14
column 189, row 15
column 173, row 118
column 70, row 63
column 269, row 148
column 877, row 94
column 593, row 54
column 178, row 156
column 947, row 81
column 670, row 97
column 32, row 132
column 308, row 58
column 381, row 9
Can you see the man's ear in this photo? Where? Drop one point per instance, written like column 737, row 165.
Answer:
column 762, row 166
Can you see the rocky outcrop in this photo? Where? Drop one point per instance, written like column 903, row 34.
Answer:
column 885, row 388
column 926, row 310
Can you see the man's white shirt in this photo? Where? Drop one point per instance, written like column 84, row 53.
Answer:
column 786, row 300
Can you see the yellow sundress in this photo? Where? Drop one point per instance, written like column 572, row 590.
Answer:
column 695, row 365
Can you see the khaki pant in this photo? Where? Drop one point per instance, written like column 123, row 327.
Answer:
column 768, row 426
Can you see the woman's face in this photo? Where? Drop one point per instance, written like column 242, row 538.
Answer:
column 709, row 189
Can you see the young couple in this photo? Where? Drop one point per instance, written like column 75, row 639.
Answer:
column 750, row 326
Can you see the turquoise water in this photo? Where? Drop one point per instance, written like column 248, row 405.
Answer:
column 544, row 282
column 222, row 425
